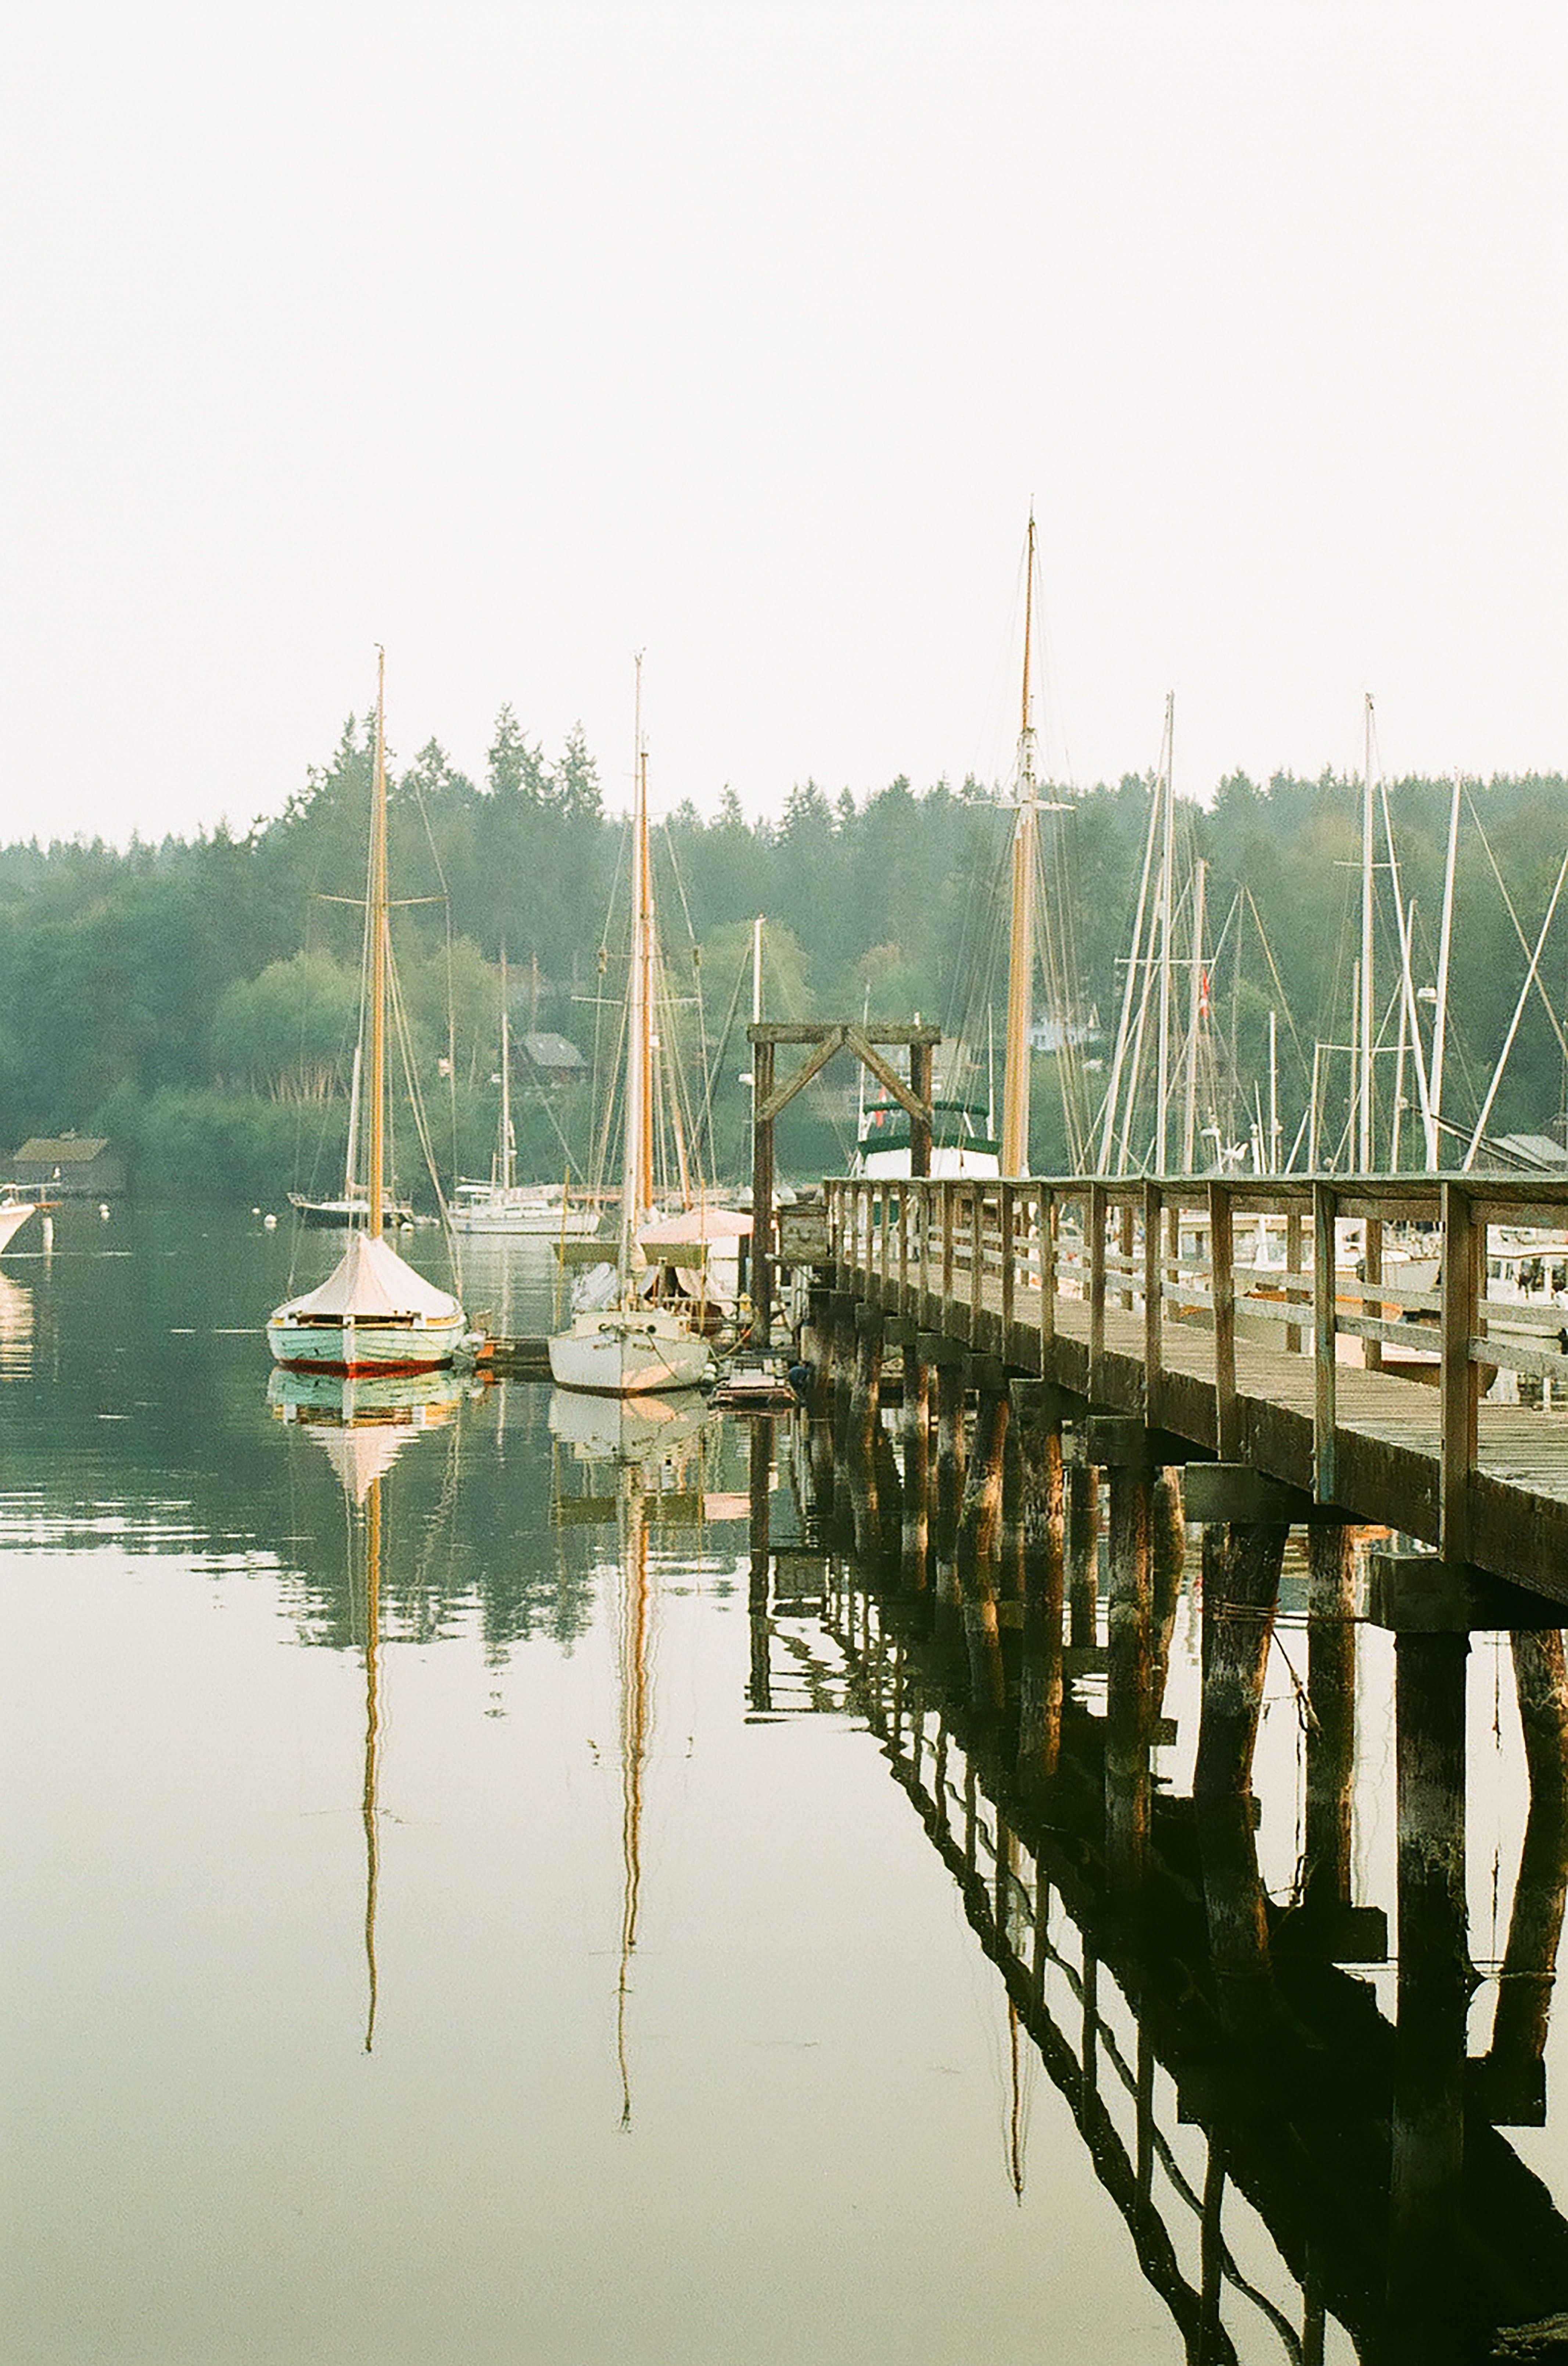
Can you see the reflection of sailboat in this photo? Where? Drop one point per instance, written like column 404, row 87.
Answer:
column 605, row 1429
column 627, row 1346
column 637, row 1722
column 16, row 1330
column 374, row 1312
column 363, row 1425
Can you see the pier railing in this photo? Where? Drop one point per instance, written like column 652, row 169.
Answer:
column 1199, row 1303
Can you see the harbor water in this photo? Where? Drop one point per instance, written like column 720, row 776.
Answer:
column 469, row 1898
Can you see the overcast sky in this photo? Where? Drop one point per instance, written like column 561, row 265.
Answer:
column 520, row 337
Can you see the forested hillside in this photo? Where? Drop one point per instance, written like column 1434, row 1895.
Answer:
column 197, row 1000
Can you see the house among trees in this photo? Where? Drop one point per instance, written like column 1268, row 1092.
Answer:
column 556, row 1061
column 69, row 1166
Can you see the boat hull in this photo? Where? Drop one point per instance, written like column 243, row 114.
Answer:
column 14, row 1215
column 629, row 1355
column 539, row 1223
column 353, row 1350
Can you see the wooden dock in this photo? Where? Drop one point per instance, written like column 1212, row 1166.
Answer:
column 1365, row 1343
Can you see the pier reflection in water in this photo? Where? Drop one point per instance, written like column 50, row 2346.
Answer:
column 1276, row 2087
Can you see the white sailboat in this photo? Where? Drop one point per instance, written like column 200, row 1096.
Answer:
column 374, row 1312
column 626, row 1346
column 503, row 1206
column 14, row 1213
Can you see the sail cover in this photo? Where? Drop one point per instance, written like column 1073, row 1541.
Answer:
column 370, row 1280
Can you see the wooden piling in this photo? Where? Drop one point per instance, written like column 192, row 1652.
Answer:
column 1331, row 1725
column 1540, row 1886
column 1083, row 1499
column 1042, row 1517
column 1434, row 1975
column 1238, row 1619
column 915, row 1436
column 1128, row 1673
column 979, row 1536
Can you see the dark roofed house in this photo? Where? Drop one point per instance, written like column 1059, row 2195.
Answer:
column 557, row 1060
column 69, row 1166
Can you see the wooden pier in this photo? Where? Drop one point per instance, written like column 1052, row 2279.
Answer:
column 1367, row 1344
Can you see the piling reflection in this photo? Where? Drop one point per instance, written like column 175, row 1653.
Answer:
column 1223, row 2059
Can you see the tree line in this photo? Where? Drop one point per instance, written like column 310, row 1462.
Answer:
column 195, row 999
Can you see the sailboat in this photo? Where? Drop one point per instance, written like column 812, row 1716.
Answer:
column 626, row 1346
column 529, row 1210
column 14, row 1213
column 374, row 1312
column 353, row 1205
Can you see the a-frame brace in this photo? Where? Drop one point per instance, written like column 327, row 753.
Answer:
column 915, row 1096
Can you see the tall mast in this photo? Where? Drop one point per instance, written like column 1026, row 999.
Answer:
column 1167, row 901
column 508, row 1159
column 637, row 1182
column 1440, row 1021
column 1020, row 955
column 1195, row 1015
column 1364, row 1023
column 378, row 897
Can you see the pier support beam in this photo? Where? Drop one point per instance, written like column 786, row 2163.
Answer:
column 1434, row 1975
column 979, row 1539
column 1241, row 1589
column 1128, row 1670
column 1043, row 1511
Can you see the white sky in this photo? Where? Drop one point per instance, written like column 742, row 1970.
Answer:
column 523, row 336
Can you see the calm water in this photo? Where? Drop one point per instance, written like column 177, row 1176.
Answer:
column 446, row 1924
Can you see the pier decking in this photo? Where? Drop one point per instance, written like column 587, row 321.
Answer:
column 1369, row 1345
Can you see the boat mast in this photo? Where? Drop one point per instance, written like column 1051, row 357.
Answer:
column 637, row 1182
column 379, row 952
column 507, row 1161
column 1167, row 916
column 1440, row 1021
column 1364, row 1021
column 1195, row 1016
column 1021, row 954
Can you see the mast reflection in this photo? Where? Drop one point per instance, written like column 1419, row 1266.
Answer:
column 362, row 1425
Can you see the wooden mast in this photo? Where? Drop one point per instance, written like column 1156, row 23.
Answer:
column 379, row 953
column 637, row 1180
column 1020, row 955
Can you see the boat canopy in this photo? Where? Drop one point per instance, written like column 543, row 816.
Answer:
column 695, row 1224
column 370, row 1282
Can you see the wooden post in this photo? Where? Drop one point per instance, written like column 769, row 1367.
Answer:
column 1325, row 1476
column 1239, row 1626
column 1331, row 1726
column 949, row 1454
column 759, row 1691
column 1042, row 1687
column 860, row 1440
column 1154, row 1297
column 1371, row 1275
column 1435, row 1974
column 762, row 1197
column 1221, row 1275
column 1046, row 1227
column 1292, row 1275
column 1462, row 1240
column 978, row 1537
column 1006, row 1214
column 916, row 1426
column 920, row 1127
column 1127, row 1723
column 1096, row 1247
column 1083, row 1496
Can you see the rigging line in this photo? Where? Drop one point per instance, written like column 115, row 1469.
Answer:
column 1519, row 932
column 1532, row 976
